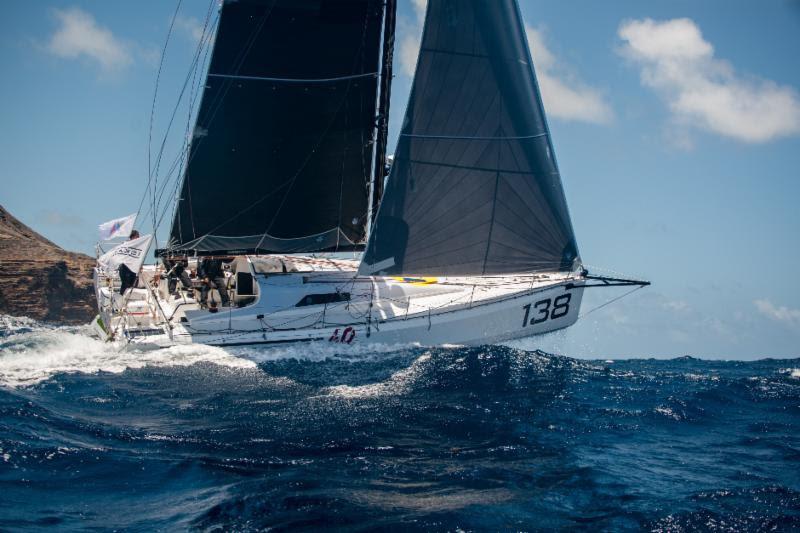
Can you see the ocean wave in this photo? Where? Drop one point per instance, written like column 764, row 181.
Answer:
column 10, row 325
column 31, row 352
column 397, row 384
column 388, row 437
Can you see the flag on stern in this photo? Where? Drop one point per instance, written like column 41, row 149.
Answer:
column 129, row 253
column 119, row 227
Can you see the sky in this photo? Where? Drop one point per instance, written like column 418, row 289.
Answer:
column 676, row 127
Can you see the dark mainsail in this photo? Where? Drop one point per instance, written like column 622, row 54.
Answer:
column 474, row 188
column 281, row 156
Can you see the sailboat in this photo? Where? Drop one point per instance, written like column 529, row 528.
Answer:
column 467, row 240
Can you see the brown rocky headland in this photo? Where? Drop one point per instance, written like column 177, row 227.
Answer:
column 41, row 280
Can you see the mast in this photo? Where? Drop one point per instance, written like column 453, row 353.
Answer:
column 382, row 117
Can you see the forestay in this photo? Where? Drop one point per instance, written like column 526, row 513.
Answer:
column 474, row 188
column 280, row 158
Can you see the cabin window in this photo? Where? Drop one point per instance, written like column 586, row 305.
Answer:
column 319, row 299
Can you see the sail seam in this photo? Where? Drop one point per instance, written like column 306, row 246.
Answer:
column 471, row 138
column 454, row 53
column 295, row 80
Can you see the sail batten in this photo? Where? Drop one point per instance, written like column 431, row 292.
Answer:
column 281, row 155
column 474, row 188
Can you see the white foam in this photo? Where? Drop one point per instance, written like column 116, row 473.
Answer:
column 12, row 324
column 397, row 384
column 668, row 412
column 33, row 352
column 793, row 372
column 318, row 351
column 700, row 377
column 34, row 356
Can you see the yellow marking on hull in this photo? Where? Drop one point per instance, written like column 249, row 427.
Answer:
column 417, row 281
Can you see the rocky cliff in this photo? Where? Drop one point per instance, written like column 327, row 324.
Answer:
column 41, row 280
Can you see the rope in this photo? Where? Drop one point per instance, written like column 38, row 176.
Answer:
column 587, row 313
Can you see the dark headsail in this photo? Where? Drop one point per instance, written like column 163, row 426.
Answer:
column 474, row 188
column 282, row 151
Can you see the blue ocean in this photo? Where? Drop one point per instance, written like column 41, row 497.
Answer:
column 485, row 438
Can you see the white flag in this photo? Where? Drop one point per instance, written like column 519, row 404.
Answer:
column 129, row 253
column 120, row 227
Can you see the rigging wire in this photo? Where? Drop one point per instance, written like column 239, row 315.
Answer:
column 153, row 108
column 151, row 188
column 193, row 67
column 589, row 312
column 186, row 153
column 182, row 160
column 215, row 105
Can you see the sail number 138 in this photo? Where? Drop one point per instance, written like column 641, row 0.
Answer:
column 547, row 309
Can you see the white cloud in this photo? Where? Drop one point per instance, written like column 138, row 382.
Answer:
column 409, row 50
column 420, row 6
column 191, row 27
column 564, row 95
column 55, row 217
column 703, row 91
column 782, row 314
column 78, row 35
column 409, row 44
column 676, row 305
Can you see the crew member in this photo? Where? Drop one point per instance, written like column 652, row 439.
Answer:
column 213, row 277
column 176, row 270
column 127, row 277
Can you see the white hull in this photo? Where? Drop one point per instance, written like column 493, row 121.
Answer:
column 469, row 311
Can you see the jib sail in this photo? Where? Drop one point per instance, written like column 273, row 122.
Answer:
column 474, row 188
